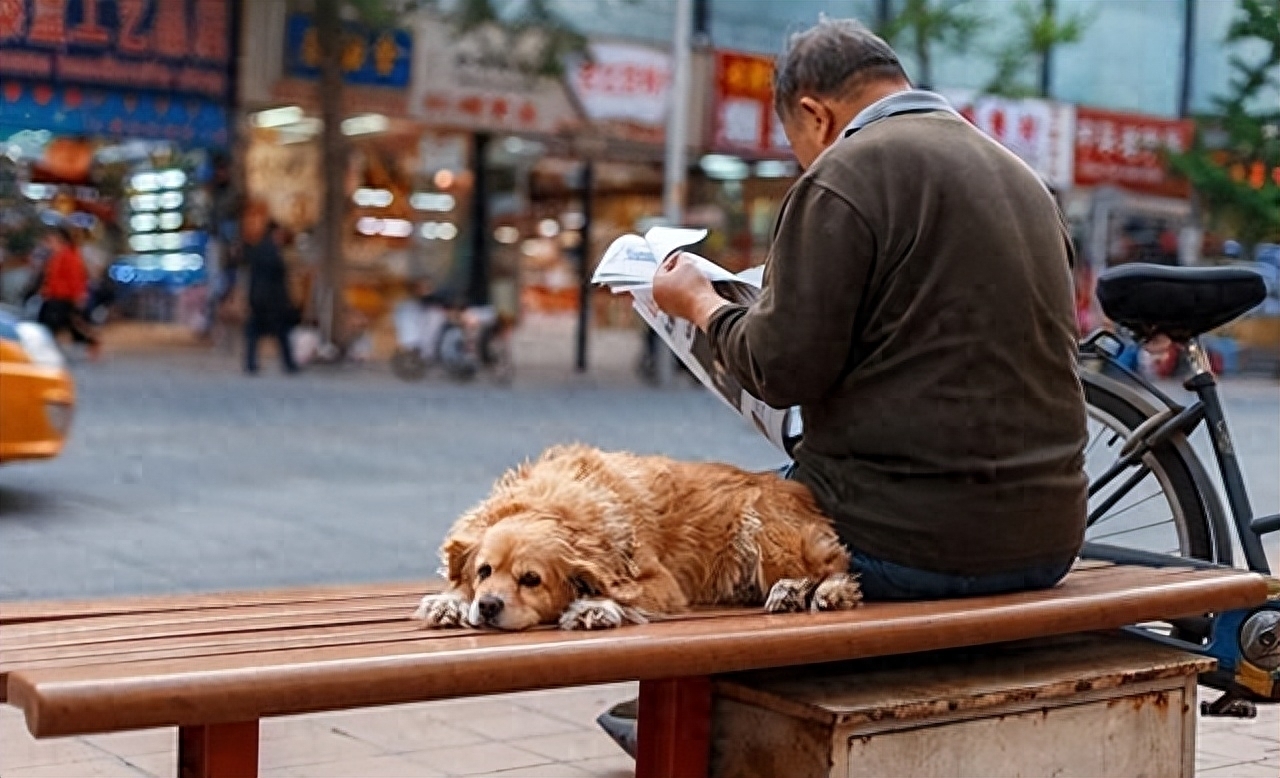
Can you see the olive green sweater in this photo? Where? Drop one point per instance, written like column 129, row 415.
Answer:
column 917, row 306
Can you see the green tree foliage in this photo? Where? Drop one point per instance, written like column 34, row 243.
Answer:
column 923, row 24
column 1040, row 29
column 1232, row 164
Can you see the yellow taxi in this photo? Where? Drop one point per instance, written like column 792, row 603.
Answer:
column 37, row 395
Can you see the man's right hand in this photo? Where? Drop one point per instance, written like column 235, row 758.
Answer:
column 682, row 291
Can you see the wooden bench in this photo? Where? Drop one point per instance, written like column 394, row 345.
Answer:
column 214, row 665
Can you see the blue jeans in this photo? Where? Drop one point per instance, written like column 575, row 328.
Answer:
column 882, row 580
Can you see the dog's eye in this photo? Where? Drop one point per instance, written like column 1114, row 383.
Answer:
column 484, row 572
column 530, row 580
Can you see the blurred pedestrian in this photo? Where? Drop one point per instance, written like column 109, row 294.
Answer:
column 65, row 289
column 271, row 310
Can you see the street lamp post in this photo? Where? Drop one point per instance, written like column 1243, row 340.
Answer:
column 673, row 191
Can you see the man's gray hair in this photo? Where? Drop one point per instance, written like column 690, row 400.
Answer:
column 830, row 59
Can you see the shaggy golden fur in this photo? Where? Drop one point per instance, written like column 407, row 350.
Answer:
column 591, row 539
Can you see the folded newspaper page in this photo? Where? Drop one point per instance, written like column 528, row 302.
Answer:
column 628, row 267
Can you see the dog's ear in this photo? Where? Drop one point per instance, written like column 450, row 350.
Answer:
column 458, row 553
column 588, row 579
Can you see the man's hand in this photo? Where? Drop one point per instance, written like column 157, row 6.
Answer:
column 681, row 290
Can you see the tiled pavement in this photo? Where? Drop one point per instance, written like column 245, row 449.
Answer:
column 528, row 735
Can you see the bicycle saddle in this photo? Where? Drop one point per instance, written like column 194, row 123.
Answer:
column 1179, row 302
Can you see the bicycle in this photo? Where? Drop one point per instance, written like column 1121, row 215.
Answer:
column 1143, row 434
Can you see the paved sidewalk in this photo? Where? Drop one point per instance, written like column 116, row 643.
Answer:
column 533, row 734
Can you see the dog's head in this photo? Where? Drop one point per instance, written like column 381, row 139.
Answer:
column 521, row 571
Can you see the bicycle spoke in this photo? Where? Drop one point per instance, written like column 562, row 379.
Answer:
column 1128, row 531
column 1127, row 508
column 1119, row 494
column 1101, row 434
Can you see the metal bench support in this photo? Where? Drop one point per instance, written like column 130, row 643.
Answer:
column 218, row 750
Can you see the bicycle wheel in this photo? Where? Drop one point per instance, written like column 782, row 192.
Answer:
column 1162, row 508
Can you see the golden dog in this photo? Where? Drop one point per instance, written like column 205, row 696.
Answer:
column 591, row 539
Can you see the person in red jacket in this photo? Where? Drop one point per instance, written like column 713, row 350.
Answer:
column 65, row 289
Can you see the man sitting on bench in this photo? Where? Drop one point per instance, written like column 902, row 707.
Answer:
column 917, row 306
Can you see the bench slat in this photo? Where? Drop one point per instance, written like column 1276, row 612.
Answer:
column 35, row 611
column 196, row 690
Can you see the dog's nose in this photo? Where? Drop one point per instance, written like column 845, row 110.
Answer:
column 490, row 607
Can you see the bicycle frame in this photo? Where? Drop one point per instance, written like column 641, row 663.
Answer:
column 1174, row 419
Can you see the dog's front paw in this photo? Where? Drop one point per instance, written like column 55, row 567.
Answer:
column 598, row 614
column 448, row 609
column 789, row 595
column 839, row 592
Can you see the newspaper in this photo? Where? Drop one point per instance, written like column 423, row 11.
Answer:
column 628, row 267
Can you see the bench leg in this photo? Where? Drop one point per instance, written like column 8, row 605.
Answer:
column 218, row 750
column 674, row 738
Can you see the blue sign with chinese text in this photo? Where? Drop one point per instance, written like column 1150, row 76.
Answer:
column 369, row 57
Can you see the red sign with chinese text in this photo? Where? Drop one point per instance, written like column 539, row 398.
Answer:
column 1124, row 150
column 181, row 46
column 744, row 119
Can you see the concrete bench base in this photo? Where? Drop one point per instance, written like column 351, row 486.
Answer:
column 1095, row 705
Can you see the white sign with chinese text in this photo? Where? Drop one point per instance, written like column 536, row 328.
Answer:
column 486, row 80
column 1040, row 132
column 623, row 82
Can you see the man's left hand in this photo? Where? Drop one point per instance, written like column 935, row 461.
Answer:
column 682, row 291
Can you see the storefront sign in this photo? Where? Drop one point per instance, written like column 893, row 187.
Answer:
column 75, row 110
column 177, row 46
column 1039, row 132
column 485, row 80
column 370, row 57
column 744, row 119
column 1124, row 150
column 623, row 82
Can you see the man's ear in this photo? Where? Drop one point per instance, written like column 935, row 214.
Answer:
column 815, row 115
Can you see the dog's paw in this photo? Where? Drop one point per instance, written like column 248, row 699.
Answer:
column 839, row 592
column 598, row 614
column 448, row 609
column 789, row 595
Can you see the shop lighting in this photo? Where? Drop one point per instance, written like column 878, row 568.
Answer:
column 548, row 228
column 368, row 225
column 724, row 167
column 144, row 202
column 173, row 179
column 170, row 220
column 443, row 179
column 365, row 124
column 172, row 263
column 396, row 228
column 143, row 222
column 170, row 200
column 438, row 231
column 278, row 117
column 506, row 235
column 775, row 168
column 142, row 242
column 169, row 241
column 426, row 201
column 145, row 182
column 372, row 198
column 38, row 191
column 573, row 220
